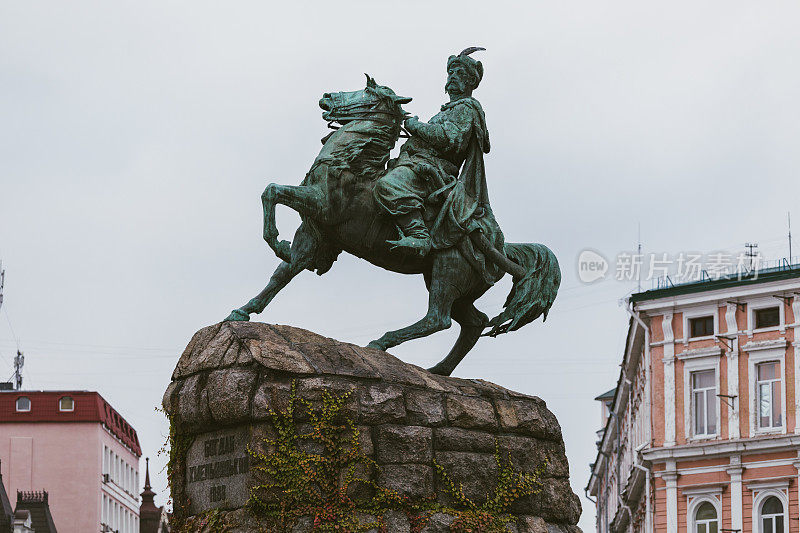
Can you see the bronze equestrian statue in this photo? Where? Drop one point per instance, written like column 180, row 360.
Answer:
column 426, row 212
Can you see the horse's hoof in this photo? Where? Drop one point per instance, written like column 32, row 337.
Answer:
column 376, row 345
column 439, row 370
column 237, row 315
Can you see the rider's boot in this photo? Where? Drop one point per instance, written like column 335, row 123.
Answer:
column 414, row 234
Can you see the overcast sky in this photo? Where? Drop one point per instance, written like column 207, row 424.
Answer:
column 137, row 137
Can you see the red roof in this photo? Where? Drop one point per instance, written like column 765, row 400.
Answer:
column 88, row 407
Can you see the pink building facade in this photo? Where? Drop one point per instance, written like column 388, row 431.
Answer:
column 77, row 447
column 702, row 433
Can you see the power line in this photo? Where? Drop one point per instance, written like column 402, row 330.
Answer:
column 3, row 357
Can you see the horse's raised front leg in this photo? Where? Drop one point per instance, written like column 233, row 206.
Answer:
column 440, row 302
column 306, row 200
column 303, row 250
column 472, row 323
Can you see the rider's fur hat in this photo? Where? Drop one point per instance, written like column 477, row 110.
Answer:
column 475, row 67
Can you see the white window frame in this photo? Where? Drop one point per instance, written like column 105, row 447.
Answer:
column 757, row 392
column 761, row 493
column 696, row 498
column 72, row 398
column 763, row 354
column 709, row 362
column 16, row 404
column 694, row 406
column 698, row 312
column 756, row 304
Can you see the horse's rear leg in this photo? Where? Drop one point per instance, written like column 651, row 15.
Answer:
column 472, row 323
column 440, row 301
column 304, row 248
column 306, row 200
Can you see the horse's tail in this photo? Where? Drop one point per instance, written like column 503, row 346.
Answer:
column 532, row 294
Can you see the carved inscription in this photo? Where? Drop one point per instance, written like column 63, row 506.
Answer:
column 216, row 470
column 219, row 469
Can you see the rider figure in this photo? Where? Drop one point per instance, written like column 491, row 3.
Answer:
column 429, row 163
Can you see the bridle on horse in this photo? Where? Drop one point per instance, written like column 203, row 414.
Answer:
column 366, row 111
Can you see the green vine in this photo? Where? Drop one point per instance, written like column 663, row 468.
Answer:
column 311, row 473
column 176, row 446
column 491, row 516
column 299, row 483
column 210, row 521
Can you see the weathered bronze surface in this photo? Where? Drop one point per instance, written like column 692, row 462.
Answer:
column 426, row 212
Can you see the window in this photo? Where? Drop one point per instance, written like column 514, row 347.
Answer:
column 66, row 404
column 768, row 395
column 705, row 519
column 772, row 517
column 701, row 326
column 704, row 402
column 23, row 404
column 768, row 317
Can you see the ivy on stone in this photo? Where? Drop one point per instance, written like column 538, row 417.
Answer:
column 491, row 516
column 307, row 475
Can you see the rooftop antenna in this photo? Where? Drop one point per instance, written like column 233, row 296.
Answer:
column 2, row 282
column 19, row 361
column 639, row 255
column 788, row 217
column 751, row 253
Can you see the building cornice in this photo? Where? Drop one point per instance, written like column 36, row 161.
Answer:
column 780, row 483
column 734, row 470
column 699, row 353
column 668, row 476
column 765, row 345
column 705, row 449
column 692, row 293
column 704, row 489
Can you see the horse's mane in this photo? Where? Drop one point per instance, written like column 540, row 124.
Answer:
column 363, row 148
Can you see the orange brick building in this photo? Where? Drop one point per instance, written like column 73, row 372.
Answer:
column 701, row 433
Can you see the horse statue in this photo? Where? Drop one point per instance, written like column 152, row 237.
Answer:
column 339, row 213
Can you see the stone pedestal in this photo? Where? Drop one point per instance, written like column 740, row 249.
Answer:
column 234, row 378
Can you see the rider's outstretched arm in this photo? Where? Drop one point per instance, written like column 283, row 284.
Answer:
column 450, row 135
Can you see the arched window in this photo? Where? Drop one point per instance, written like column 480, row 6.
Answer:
column 23, row 404
column 772, row 517
column 705, row 519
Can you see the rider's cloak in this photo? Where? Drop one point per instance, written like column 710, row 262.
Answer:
column 466, row 207
column 455, row 202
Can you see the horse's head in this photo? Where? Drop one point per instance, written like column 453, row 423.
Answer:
column 374, row 102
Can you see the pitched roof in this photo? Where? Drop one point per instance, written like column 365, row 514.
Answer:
column 607, row 395
column 6, row 511
column 37, row 504
column 765, row 275
column 88, row 407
